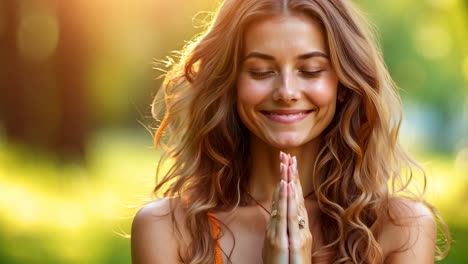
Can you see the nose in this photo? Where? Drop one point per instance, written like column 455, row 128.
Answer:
column 286, row 89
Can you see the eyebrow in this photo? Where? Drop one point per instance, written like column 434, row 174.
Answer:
column 305, row 56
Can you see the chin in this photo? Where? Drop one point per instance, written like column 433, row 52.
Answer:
column 286, row 143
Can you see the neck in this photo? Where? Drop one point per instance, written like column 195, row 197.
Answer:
column 265, row 173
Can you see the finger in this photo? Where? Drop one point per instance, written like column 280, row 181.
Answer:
column 281, row 218
column 298, row 185
column 284, row 172
column 271, row 227
column 301, row 209
column 288, row 162
column 274, row 203
column 293, row 225
column 285, row 158
column 294, row 175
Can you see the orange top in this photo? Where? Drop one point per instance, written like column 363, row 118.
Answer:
column 215, row 226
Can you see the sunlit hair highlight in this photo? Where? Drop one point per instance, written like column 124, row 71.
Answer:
column 360, row 165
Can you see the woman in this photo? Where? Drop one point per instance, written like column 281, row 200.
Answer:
column 281, row 126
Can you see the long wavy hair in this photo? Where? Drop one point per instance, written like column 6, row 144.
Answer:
column 360, row 165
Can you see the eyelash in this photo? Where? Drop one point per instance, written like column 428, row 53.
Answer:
column 311, row 74
column 263, row 75
column 260, row 75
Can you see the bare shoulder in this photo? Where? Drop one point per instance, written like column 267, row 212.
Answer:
column 153, row 237
column 409, row 236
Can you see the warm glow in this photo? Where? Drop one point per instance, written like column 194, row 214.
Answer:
column 2, row 19
column 38, row 33
column 443, row 4
column 70, row 216
column 461, row 163
column 432, row 40
column 79, row 213
column 465, row 71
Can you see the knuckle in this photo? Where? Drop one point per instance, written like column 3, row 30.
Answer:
column 282, row 195
column 298, row 245
column 279, row 245
column 280, row 214
column 295, row 247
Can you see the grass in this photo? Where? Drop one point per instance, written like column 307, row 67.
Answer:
column 55, row 213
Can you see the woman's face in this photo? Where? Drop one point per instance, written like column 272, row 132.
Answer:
column 286, row 88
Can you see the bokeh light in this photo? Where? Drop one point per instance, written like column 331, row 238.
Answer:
column 465, row 71
column 38, row 32
column 432, row 39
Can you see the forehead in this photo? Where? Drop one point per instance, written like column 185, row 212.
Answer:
column 294, row 34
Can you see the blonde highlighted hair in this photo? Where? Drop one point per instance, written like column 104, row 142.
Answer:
column 360, row 164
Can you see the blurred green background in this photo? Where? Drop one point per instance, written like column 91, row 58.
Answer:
column 76, row 83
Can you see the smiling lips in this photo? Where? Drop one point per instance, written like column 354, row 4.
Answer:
column 286, row 116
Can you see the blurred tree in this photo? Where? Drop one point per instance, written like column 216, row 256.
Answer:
column 11, row 104
column 425, row 45
column 43, row 57
column 71, row 61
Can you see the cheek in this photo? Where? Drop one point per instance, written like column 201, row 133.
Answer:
column 323, row 92
column 251, row 92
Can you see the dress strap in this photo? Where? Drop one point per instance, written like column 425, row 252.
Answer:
column 215, row 228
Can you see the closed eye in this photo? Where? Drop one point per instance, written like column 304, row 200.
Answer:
column 311, row 73
column 261, row 75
